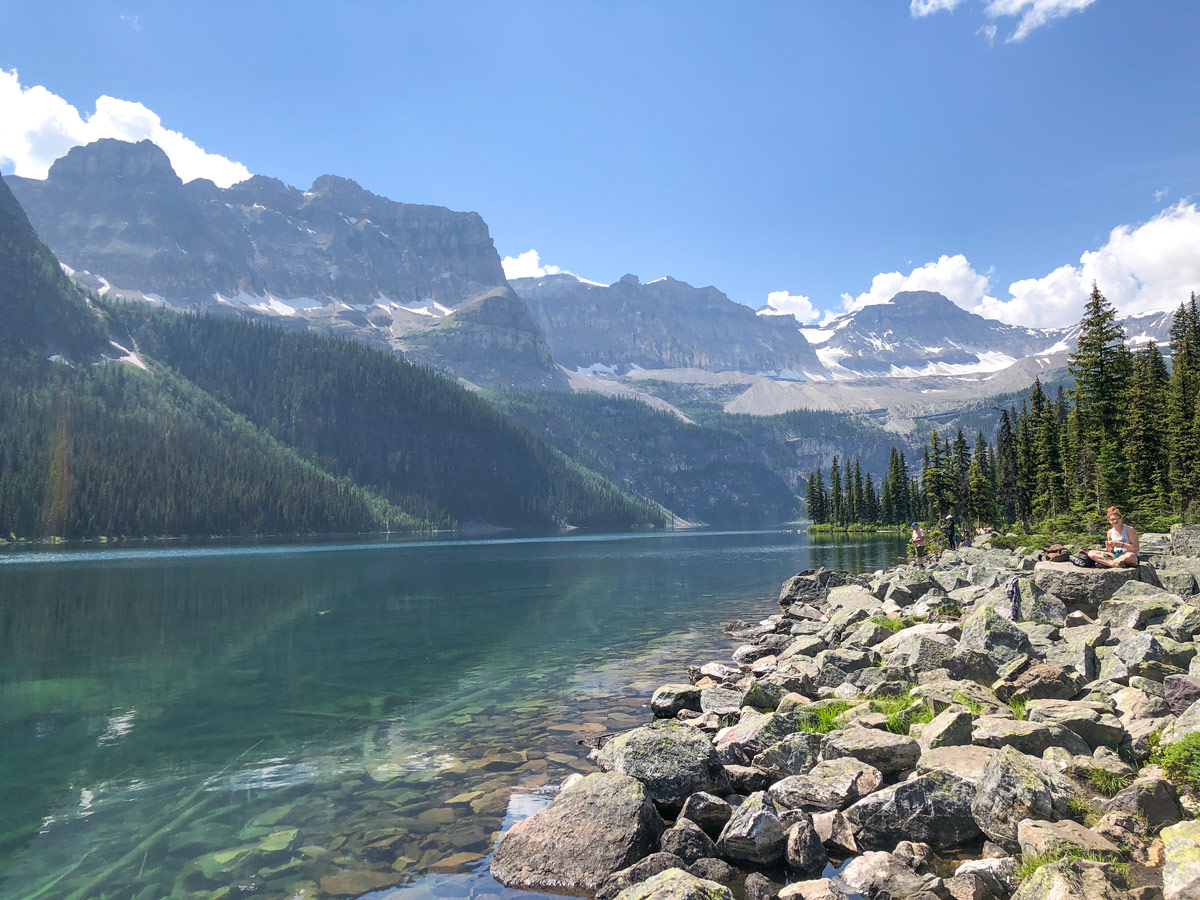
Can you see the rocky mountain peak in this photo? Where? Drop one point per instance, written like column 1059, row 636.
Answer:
column 629, row 280
column 111, row 158
column 337, row 186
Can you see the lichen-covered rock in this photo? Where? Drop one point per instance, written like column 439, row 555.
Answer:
column 1034, row 679
column 1082, row 589
column 603, row 823
column 1016, row 787
column 753, row 732
column 988, row 632
column 832, row 784
column 950, row 728
column 796, row 754
column 669, row 699
column 637, row 873
column 1138, row 605
column 934, row 808
column 721, row 700
column 1094, row 722
column 999, row 874
column 968, row 763
column 676, row 884
column 754, row 834
column 1181, row 869
column 885, row 751
column 1074, row 879
column 671, row 759
column 1031, row 738
column 1185, row 724
column 1151, row 799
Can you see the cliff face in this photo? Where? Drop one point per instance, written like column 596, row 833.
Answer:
column 662, row 324
column 336, row 257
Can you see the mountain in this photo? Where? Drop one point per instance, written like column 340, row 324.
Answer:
column 921, row 333
column 424, row 281
column 663, row 324
column 41, row 310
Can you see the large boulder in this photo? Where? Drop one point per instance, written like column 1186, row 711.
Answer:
column 676, row 884
column 1180, row 692
column 752, row 734
column 796, row 754
column 811, row 586
column 1138, row 605
column 1185, row 540
column 1081, row 589
column 934, row 808
column 601, row 824
column 1187, row 723
column 1181, row 871
column 949, row 728
column 1032, row 679
column 832, row 784
column 1000, row 731
column 1151, row 799
column 1016, row 787
column 1038, row 838
column 988, row 632
column 1074, row 879
column 967, row 763
column 885, row 751
column 754, row 835
column 671, row 759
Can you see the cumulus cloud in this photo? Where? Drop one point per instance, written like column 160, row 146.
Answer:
column 781, row 303
column 527, row 265
column 1142, row 268
column 37, row 127
column 952, row 276
column 1030, row 14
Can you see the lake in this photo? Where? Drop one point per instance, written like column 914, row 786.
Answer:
column 330, row 720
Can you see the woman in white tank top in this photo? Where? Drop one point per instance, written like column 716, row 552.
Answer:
column 1121, row 546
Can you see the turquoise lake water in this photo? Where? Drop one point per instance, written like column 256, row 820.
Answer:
column 330, row 720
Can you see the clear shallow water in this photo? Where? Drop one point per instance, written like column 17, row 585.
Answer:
column 330, row 720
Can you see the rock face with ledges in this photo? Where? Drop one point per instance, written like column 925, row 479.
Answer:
column 600, row 825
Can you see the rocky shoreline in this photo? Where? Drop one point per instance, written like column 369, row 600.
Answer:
column 990, row 727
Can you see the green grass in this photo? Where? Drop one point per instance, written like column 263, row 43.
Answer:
column 1085, row 812
column 897, row 623
column 1104, row 782
column 822, row 719
column 902, row 711
column 1181, row 763
column 1018, row 708
column 973, row 705
column 1030, row 864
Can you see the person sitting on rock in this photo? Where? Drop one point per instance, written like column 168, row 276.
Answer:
column 1121, row 545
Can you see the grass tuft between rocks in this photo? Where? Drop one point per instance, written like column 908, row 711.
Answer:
column 821, row 720
column 1105, row 782
column 1085, row 812
column 1018, row 708
column 903, row 711
column 1030, row 864
column 973, row 705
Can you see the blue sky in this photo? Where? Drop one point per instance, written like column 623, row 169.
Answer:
column 794, row 147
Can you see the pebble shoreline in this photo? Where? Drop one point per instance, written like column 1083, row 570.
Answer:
column 911, row 734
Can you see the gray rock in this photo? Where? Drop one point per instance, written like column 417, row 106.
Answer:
column 764, row 695
column 934, row 808
column 709, row 812
column 1079, row 879
column 951, row 727
column 835, row 832
column 1016, row 787
column 967, row 763
column 1031, row 679
column 1181, row 869
column 1187, row 723
column 812, row 586
column 1137, row 605
column 1185, row 540
column 754, row 834
column 796, row 754
column 758, row 886
column 1081, row 589
column 988, row 632
column 601, row 824
column 1183, row 624
column 1031, row 738
column 721, row 701
column 817, row 889
column 688, row 841
column 885, row 751
column 1151, row 799
column 671, row 759
column 676, row 884
column 669, row 699
column 832, row 784
column 877, row 871
column 713, row 869
column 1094, row 722
column 1181, row 691
column 1135, row 704
column 804, row 851
column 1039, row 838
column 637, row 873
column 999, row 874
column 747, row 779
column 753, row 733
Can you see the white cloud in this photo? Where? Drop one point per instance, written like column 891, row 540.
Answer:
column 989, row 34
column 133, row 21
column 1143, row 268
column 1033, row 13
column 1159, row 194
column 37, row 127
column 781, row 303
column 922, row 8
column 1030, row 14
column 527, row 265
column 952, row 276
